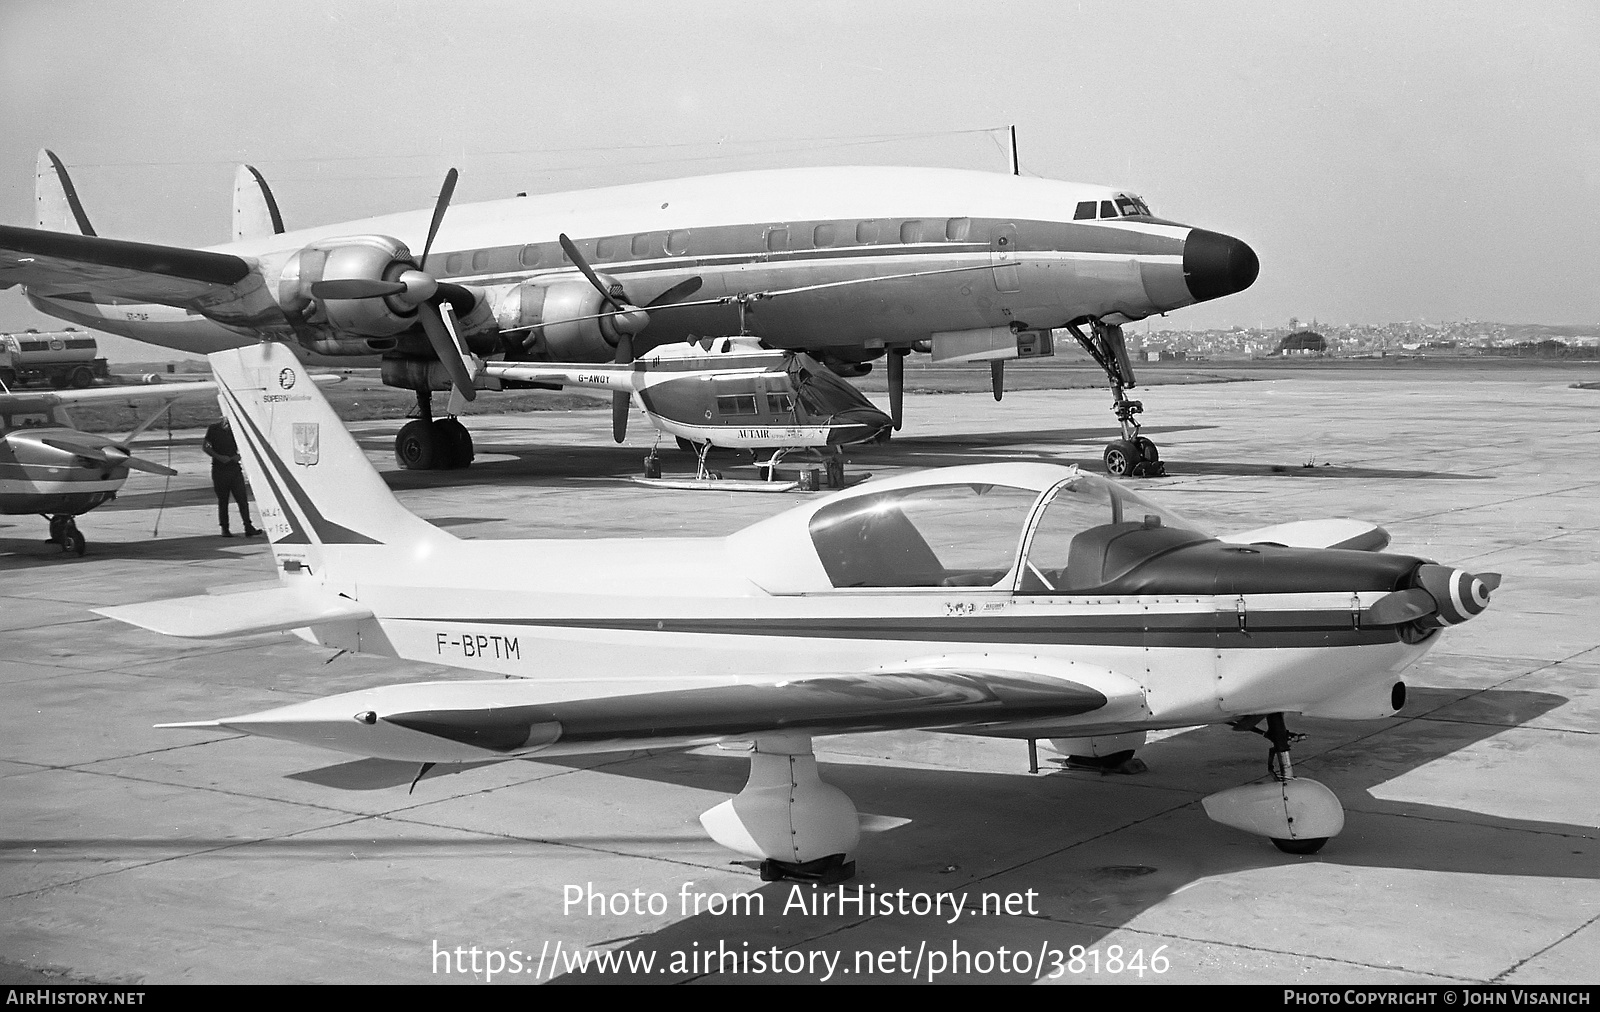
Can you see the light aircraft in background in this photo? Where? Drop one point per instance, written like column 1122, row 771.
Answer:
column 727, row 392
column 50, row 468
column 846, row 264
column 1015, row 600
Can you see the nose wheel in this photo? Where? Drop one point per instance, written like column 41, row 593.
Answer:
column 1132, row 456
column 64, row 532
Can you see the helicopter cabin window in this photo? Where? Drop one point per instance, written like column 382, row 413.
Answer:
column 910, row 231
column 609, row 248
column 736, row 404
column 530, row 255
column 642, row 246
column 867, row 232
column 958, row 229
column 678, row 243
column 930, row 536
column 1086, row 209
column 825, row 234
column 777, row 239
column 780, row 404
column 1092, row 531
column 480, row 260
column 1108, row 209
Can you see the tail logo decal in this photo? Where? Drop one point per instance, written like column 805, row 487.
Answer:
column 286, row 379
column 306, row 439
column 272, row 466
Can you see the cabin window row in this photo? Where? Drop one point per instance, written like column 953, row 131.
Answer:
column 649, row 245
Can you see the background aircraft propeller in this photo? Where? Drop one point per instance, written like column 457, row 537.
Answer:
column 418, row 288
column 109, row 454
column 627, row 320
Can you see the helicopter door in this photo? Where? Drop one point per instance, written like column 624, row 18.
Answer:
column 1003, row 255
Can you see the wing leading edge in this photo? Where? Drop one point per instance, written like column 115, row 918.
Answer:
column 221, row 286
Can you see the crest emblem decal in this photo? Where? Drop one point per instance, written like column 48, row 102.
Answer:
column 306, row 442
column 286, row 378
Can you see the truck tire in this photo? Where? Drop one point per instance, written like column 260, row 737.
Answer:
column 8, row 377
column 82, row 377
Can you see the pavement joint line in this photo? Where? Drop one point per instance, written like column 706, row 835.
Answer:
column 546, row 841
column 1497, row 978
column 177, row 857
column 1498, row 502
column 1524, row 726
column 1469, row 822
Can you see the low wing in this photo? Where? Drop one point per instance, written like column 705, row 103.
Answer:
column 476, row 720
column 207, row 616
column 1336, row 532
column 221, row 286
column 608, row 376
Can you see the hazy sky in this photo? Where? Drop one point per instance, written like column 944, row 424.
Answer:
column 1388, row 161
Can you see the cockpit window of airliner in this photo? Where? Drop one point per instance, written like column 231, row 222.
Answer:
column 1108, row 209
column 1086, row 209
column 939, row 536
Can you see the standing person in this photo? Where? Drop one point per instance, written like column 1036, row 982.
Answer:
column 227, row 476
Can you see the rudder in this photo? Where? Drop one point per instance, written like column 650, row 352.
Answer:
column 313, row 484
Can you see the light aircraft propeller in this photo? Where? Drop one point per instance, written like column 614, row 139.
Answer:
column 415, row 288
column 109, row 454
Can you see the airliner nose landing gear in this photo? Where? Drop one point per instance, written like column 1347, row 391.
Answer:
column 1298, row 815
column 1132, row 456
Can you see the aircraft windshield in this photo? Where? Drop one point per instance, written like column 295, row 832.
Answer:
column 1081, row 516
column 933, row 536
column 1132, row 205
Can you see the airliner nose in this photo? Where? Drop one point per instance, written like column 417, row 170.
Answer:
column 1215, row 265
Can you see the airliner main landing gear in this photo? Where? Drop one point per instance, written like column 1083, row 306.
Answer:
column 427, row 444
column 1296, row 814
column 1133, row 455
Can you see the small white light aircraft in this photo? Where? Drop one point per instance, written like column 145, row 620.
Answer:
column 50, row 468
column 1017, row 600
column 728, row 392
column 847, row 264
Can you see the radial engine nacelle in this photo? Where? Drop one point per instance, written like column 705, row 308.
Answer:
column 349, row 258
column 566, row 320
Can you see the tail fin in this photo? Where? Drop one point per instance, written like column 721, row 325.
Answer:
column 255, row 212
column 314, row 486
column 55, row 199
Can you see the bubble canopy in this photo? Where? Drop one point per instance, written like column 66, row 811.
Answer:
column 1006, row 527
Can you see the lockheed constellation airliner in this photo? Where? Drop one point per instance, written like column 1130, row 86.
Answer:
column 847, row 264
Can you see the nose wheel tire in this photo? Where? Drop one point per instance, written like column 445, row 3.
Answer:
column 455, row 442
column 1133, row 458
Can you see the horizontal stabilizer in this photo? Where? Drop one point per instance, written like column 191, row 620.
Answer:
column 1334, row 532
column 206, row 616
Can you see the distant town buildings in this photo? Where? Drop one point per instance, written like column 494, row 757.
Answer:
column 1363, row 340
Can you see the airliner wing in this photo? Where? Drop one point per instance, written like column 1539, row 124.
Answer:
column 475, row 720
column 600, row 376
column 223, row 287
